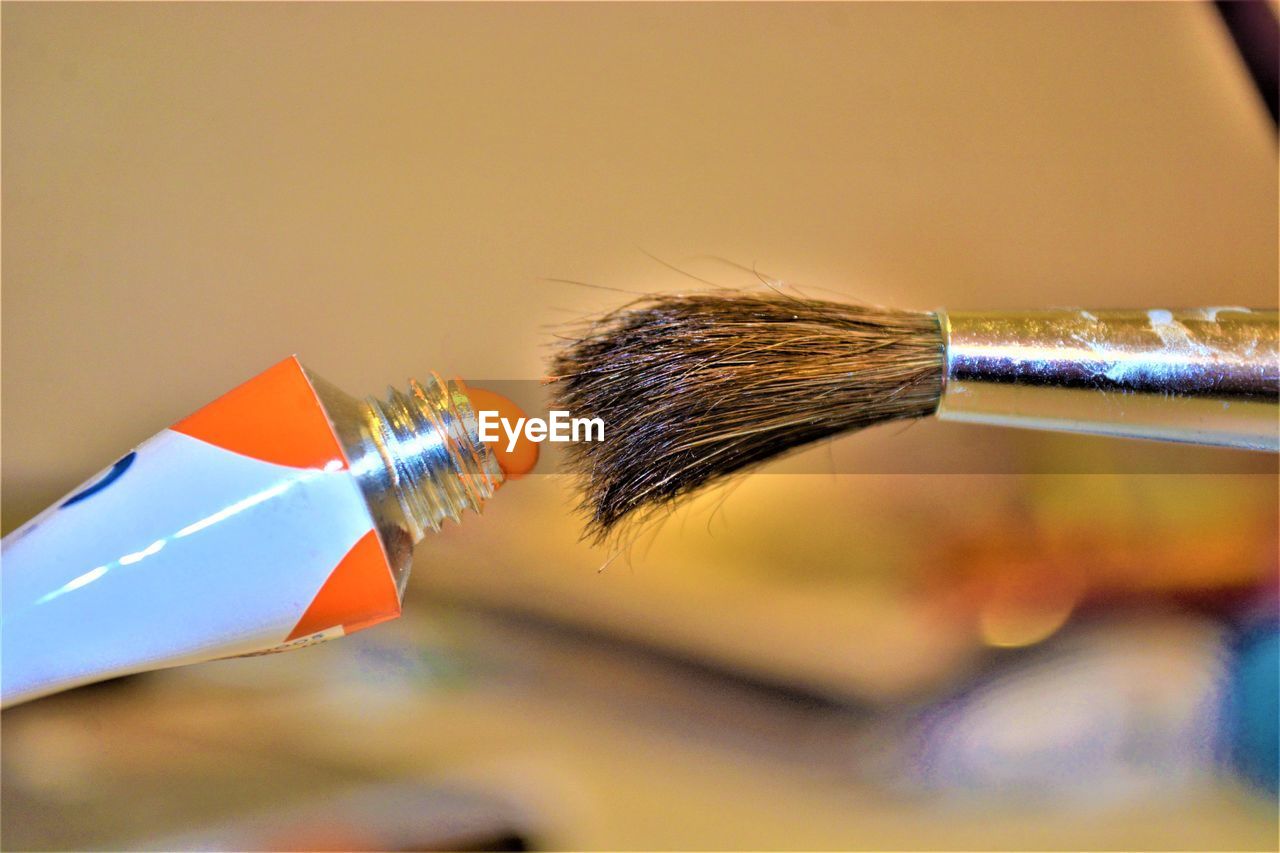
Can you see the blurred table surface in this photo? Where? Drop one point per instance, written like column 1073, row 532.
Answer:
column 460, row 729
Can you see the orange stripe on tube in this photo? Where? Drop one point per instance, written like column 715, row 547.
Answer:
column 360, row 592
column 275, row 417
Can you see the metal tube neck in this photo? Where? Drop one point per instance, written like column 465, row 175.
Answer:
column 428, row 441
column 417, row 459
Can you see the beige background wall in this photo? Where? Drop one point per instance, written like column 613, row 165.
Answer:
column 193, row 191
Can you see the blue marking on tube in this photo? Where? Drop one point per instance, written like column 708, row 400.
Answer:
column 111, row 476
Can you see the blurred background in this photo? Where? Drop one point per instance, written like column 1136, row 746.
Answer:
column 994, row 641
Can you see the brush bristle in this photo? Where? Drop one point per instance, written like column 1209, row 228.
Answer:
column 693, row 388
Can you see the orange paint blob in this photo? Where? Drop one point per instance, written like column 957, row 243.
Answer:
column 515, row 463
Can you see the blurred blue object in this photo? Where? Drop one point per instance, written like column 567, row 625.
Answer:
column 1252, row 705
column 1124, row 705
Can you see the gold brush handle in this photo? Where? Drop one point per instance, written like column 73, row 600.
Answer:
column 1198, row 375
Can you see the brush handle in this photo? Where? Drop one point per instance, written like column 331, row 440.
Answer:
column 1200, row 376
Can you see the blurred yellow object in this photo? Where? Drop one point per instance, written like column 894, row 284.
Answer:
column 1010, row 625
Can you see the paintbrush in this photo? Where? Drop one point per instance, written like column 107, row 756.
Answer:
column 695, row 387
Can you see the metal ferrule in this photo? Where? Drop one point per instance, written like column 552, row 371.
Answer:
column 417, row 458
column 1201, row 376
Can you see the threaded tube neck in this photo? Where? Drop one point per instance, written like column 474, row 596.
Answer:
column 429, row 440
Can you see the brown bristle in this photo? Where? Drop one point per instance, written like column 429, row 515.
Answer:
column 692, row 388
